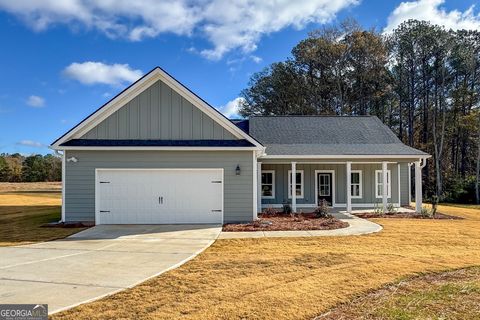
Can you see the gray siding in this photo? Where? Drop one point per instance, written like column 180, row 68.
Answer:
column 368, row 183
column 404, row 190
column 80, row 177
column 159, row 113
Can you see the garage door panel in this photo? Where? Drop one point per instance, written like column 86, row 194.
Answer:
column 152, row 196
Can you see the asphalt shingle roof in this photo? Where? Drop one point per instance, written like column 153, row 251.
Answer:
column 327, row 135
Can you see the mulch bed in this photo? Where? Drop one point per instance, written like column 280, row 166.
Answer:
column 283, row 222
column 68, row 225
column 405, row 215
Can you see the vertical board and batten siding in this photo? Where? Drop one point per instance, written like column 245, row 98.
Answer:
column 80, row 177
column 368, row 183
column 159, row 113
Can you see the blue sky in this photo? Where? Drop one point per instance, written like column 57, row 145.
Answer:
column 61, row 60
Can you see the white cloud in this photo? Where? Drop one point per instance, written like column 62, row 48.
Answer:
column 31, row 143
column 432, row 11
column 230, row 109
column 96, row 72
column 36, row 101
column 228, row 25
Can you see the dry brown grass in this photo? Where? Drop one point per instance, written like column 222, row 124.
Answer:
column 294, row 278
column 446, row 295
column 22, row 214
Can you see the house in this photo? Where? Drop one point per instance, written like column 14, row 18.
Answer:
column 158, row 153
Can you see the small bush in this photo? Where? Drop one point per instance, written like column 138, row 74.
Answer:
column 377, row 210
column 287, row 209
column 391, row 209
column 425, row 212
column 322, row 210
column 269, row 211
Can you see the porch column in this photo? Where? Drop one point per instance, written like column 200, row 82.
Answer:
column 384, row 186
column 349, row 187
column 418, row 187
column 259, row 187
column 293, row 180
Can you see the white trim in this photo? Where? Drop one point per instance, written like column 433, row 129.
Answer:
column 162, row 148
column 409, row 184
column 389, row 185
column 273, row 184
column 301, row 196
column 360, row 173
column 337, row 205
column 343, row 156
column 398, row 177
column 316, row 185
column 326, row 162
column 258, row 188
column 156, row 74
column 97, row 205
column 64, row 166
column 255, row 187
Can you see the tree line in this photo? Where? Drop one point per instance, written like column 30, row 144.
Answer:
column 421, row 80
column 35, row 168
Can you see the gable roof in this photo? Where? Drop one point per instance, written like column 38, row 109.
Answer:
column 327, row 135
column 134, row 90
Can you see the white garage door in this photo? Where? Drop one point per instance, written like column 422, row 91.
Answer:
column 159, row 196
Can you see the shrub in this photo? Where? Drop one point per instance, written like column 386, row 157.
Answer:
column 391, row 208
column 377, row 210
column 269, row 211
column 322, row 210
column 425, row 212
column 287, row 209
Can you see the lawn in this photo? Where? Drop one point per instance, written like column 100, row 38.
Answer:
column 295, row 278
column 447, row 295
column 22, row 213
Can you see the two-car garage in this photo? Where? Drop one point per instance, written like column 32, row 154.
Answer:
column 158, row 196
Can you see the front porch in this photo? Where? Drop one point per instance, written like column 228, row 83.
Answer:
column 330, row 180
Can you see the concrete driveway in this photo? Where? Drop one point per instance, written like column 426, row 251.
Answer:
column 96, row 262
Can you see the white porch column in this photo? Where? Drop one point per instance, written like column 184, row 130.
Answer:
column 418, row 187
column 384, row 186
column 293, row 180
column 349, row 187
column 409, row 184
column 259, row 187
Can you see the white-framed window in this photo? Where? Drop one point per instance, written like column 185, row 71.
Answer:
column 379, row 184
column 268, row 184
column 298, row 184
column 356, row 190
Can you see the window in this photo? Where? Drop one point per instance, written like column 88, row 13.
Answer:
column 379, row 184
column 356, row 184
column 268, row 184
column 298, row 184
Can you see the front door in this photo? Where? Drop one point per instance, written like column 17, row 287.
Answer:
column 324, row 181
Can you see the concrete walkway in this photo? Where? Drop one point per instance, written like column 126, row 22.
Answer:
column 357, row 226
column 96, row 262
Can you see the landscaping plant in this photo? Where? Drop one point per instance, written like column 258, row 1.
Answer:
column 322, row 210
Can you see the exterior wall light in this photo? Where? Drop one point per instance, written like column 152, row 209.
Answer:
column 237, row 170
column 72, row 159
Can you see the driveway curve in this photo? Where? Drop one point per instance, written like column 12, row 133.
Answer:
column 97, row 262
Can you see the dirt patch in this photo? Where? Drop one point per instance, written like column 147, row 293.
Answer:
column 68, row 225
column 6, row 187
column 405, row 215
column 283, row 222
column 447, row 295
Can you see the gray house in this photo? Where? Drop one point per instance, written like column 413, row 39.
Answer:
column 158, row 153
